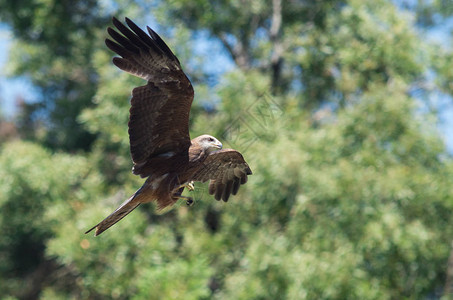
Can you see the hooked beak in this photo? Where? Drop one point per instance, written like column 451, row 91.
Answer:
column 214, row 146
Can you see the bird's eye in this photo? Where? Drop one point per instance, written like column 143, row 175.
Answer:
column 211, row 139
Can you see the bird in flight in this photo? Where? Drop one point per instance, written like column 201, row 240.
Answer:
column 160, row 144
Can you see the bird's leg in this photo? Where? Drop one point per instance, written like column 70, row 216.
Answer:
column 190, row 187
column 189, row 200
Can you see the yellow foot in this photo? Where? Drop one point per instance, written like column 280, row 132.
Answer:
column 189, row 186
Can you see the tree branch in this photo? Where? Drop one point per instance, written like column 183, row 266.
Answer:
column 277, row 51
column 237, row 51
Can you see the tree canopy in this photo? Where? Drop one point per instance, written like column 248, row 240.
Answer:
column 329, row 101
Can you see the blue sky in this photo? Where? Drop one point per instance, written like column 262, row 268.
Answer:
column 442, row 35
column 10, row 88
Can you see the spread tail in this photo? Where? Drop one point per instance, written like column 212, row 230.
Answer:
column 122, row 211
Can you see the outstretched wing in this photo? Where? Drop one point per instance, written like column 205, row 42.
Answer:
column 159, row 113
column 226, row 169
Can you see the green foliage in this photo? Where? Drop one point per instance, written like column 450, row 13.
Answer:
column 35, row 185
column 351, row 192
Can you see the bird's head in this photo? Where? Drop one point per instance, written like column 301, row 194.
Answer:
column 208, row 143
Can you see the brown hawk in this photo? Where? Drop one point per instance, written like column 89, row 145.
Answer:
column 160, row 144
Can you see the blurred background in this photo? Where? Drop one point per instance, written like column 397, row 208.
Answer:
column 343, row 110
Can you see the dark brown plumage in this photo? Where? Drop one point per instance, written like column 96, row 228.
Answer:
column 160, row 143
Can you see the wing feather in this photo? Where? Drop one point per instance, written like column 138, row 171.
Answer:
column 236, row 185
column 227, row 191
column 226, row 169
column 159, row 113
column 219, row 191
column 212, row 187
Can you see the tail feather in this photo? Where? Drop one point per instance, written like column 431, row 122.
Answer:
column 122, row 211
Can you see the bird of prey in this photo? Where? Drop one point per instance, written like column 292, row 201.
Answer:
column 160, row 144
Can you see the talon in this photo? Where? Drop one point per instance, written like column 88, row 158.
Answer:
column 189, row 200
